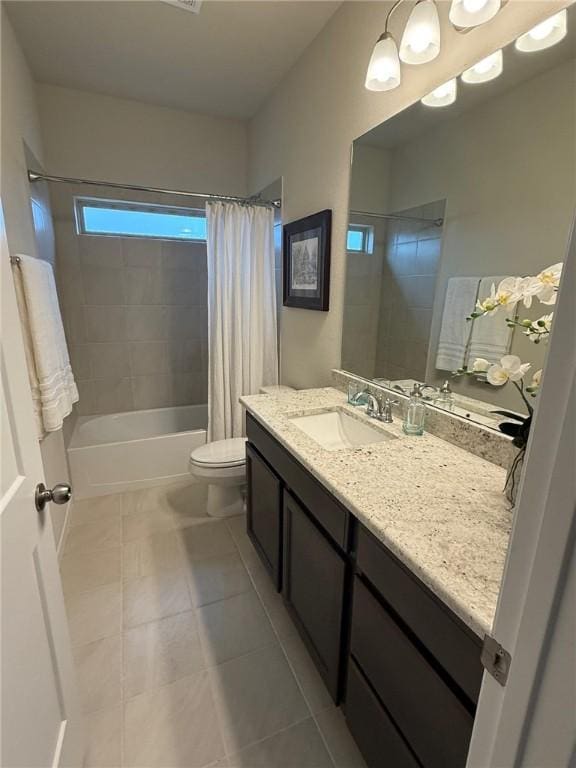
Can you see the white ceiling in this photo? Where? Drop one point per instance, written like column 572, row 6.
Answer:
column 223, row 61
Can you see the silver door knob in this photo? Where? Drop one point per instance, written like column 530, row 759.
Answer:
column 60, row 494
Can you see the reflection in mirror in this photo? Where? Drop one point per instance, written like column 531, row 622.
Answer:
column 444, row 203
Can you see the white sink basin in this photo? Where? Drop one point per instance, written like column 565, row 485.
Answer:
column 335, row 430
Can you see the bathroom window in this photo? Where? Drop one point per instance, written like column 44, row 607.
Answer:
column 360, row 238
column 123, row 219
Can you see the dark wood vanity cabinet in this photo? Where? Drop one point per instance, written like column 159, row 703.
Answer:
column 313, row 588
column 405, row 668
column 306, row 553
column 264, row 513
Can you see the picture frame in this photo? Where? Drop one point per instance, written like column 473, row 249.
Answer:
column 306, row 262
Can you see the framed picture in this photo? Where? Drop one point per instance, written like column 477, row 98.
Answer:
column 306, row 250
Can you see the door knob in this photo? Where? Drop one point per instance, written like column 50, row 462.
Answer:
column 60, row 494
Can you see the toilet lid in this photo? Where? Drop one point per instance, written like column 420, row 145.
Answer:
column 221, row 453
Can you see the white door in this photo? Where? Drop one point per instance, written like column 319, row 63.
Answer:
column 41, row 724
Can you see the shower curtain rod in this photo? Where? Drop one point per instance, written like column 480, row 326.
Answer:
column 34, row 176
column 398, row 217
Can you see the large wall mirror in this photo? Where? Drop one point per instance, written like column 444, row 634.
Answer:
column 445, row 201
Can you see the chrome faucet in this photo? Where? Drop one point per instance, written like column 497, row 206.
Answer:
column 386, row 415
column 374, row 405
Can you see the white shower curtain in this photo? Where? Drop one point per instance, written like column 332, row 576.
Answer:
column 242, row 328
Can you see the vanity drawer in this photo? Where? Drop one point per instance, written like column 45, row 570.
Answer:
column 331, row 516
column 453, row 644
column 430, row 716
column 378, row 739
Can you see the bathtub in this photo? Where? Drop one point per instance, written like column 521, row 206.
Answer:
column 126, row 451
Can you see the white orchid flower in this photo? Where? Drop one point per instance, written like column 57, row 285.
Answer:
column 507, row 293
column 539, row 328
column 480, row 365
column 544, row 286
column 510, row 368
column 536, row 379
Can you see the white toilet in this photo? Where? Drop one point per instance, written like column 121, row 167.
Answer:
column 222, row 464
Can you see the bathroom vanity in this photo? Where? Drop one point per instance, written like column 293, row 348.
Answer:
column 390, row 572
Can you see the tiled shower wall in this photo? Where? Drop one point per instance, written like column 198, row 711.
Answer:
column 135, row 314
column 407, row 294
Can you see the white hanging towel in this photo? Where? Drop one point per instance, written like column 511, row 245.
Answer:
column 51, row 379
column 242, row 335
column 491, row 337
column 461, row 293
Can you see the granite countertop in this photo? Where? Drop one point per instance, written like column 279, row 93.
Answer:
column 439, row 508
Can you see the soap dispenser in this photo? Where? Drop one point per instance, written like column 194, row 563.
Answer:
column 445, row 397
column 415, row 413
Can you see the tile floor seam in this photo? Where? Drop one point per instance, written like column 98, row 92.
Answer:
column 270, row 736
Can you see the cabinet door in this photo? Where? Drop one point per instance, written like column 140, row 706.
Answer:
column 377, row 737
column 313, row 587
column 264, row 508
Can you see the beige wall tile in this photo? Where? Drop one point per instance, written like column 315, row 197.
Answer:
column 103, row 285
column 97, row 251
column 105, row 323
column 109, row 360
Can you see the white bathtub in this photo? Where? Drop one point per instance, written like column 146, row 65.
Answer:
column 126, row 451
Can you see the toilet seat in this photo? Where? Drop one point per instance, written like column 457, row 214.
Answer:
column 221, row 454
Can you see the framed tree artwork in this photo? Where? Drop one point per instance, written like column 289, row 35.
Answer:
column 306, row 252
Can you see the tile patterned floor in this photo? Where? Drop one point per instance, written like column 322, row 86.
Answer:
column 185, row 654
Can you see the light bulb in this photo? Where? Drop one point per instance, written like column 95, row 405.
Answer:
column 384, row 68
column 470, row 13
column 484, row 70
column 421, row 39
column 442, row 96
column 474, row 6
column 543, row 35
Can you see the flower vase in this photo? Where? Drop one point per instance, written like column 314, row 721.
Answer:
column 513, row 477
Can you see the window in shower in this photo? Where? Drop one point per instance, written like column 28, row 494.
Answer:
column 360, row 238
column 118, row 218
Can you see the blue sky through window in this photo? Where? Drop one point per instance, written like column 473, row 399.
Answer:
column 355, row 240
column 135, row 222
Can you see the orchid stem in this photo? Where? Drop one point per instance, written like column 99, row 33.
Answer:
column 520, row 388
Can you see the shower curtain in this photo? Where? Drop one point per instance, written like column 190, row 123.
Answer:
column 242, row 328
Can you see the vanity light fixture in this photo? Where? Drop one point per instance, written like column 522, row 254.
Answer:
column 470, row 13
column 384, row 68
column 421, row 39
column 442, row 96
column 543, row 35
column 484, row 70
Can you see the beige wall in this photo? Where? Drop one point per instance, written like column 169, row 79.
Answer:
column 88, row 135
column 20, row 141
column 305, row 129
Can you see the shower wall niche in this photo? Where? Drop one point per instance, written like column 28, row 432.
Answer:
column 135, row 313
